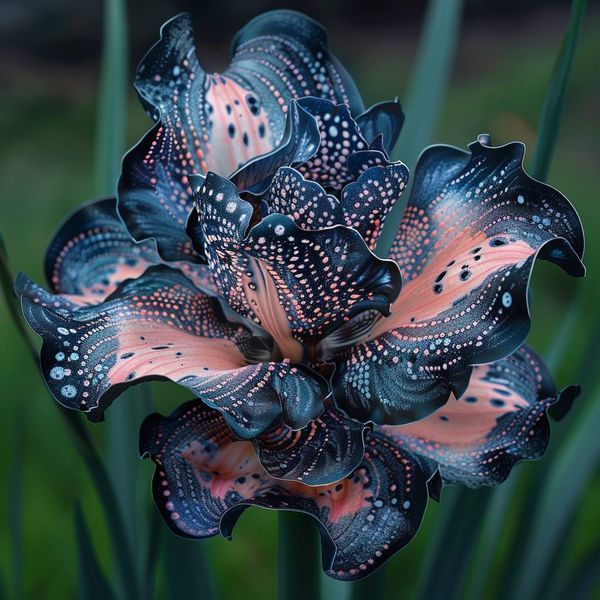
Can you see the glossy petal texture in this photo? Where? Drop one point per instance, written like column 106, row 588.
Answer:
column 204, row 480
column 161, row 327
column 218, row 121
column 92, row 253
column 298, row 285
column 471, row 232
column 363, row 205
column 383, row 119
column 340, row 137
column 500, row 419
column 326, row 145
column 323, row 452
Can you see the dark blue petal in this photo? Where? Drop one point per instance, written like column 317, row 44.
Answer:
column 466, row 247
column 500, row 420
column 204, row 480
column 340, row 138
column 323, row 452
column 300, row 141
column 382, row 119
column 160, row 326
column 92, row 253
column 298, row 285
column 218, row 121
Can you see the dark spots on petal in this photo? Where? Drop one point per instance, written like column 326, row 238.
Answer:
column 228, row 108
column 130, row 376
column 498, row 241
column 478, row 257
column 127, row 355
column 471, row 399
column 502, row 392
column 438, row 288
column 465, row 274
column 261, row 130
column 231, row 130
column 497, row 402
column 159, row 348
column 440, row 276
column 245, row 139
column 443, row 418
column 476, row 250
column 450, row 263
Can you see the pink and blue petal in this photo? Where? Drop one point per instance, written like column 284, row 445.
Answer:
column 470, row 235
column 218, row 121
column 204, row 480
column 297, row 284
column 325, row 451
column 160, row 326
column 500, row 419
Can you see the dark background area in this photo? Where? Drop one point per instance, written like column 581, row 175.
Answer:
column 49, row 67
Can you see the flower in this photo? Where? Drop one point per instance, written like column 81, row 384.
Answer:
column 327, row 379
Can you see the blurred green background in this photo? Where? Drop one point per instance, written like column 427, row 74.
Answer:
column 49, row 67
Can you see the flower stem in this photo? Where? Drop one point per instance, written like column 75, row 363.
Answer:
column 298, row 565
column 371, row 587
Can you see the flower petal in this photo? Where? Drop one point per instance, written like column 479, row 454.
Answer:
column 340, row 138
column 500, row 420
column 382, row 119
column 160, row 326
column 305, row 201
column 364, row 204
column 204, row 480
column 467, row 244
column 92, row 253
column 300, row 141
column 218, row 121
column 298, row 285
column 323, row 452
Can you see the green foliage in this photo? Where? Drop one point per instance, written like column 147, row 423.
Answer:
column 426, row 93
column 93, row 585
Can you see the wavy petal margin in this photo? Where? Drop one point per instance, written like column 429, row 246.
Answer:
column 160, row 326
column 218, row 121
column 297, row 284
column 471, row 233
column 501, row 419
column 204, row 480
column 323, row 452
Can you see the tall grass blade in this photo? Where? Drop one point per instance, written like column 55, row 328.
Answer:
column 152, row 554
column 448, row 557
column 298, row 564
column 93, row 585
column 12, row 304
column 547, row 133
column 187, row 570
column 16, row 505
column 427, row 90
column 122, row 425
column 558, row 498
column 86, row 448
column 554, row 102
column 112, row 103
column 370, row 587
